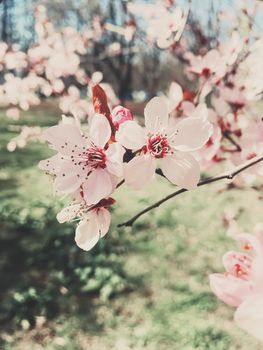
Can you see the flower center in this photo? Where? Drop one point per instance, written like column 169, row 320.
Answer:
column 158, row 146
column 242, row 267
column 95, row 158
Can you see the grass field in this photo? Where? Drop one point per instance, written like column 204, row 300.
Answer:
column 166, row 257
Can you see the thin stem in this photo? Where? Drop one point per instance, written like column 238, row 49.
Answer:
column 120, row 183
column 228, row 176
column 229, row 137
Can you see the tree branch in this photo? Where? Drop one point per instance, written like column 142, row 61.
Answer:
column 228, row 176
column 228, row 136
column 120, row 183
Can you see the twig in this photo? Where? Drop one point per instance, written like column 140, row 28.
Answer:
column 228, row 176
column 228, row 136
column 120, row 183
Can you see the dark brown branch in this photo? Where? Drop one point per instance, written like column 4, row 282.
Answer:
column 229, row 137
column 228, row 176
column 120, row 183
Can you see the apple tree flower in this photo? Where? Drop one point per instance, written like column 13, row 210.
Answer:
column 84, row 160
column 94, row 221
column 168, row 145
column 242, row 284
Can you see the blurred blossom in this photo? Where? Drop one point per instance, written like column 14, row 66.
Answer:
column 114, row 49
column 13, row 113
column 27, row 134
column 164, row 25
column 96, row 77
column 242, row 284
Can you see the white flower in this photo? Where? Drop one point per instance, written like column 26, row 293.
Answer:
column 170, row 145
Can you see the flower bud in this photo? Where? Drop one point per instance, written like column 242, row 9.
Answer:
column 120, row 115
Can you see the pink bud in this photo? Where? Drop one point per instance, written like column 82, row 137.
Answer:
column 120, row 115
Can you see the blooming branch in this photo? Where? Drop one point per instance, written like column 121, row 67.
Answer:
column 228, row 176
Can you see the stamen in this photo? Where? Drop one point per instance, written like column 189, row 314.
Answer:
column 158, row 146
column 92, row 158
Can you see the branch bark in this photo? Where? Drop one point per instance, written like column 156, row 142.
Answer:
column 227, row 176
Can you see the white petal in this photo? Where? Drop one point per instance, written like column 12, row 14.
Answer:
column 114, row 161
column 70, row 177
column 87, row 232
column 139, row 172
column 64, row 138
column 131, row 135
column 249, row 316
column 97, row 186
column 52, row 164
column 200, row 111
column 100, row 130
column 190, row 134
column 156, row 114
column 68, row 213
column 104, row 219
column 175, row 96
column 182, row 170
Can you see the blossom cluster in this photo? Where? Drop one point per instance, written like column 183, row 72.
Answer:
column 90, row 163
column 229, row 78
column 50, row 67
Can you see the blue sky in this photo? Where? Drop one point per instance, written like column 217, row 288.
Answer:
column 200, row 9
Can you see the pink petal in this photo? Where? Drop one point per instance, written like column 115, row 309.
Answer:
column 249, row 316
column 65, row 138
column 231, row 290
column 252, row 242
column 182, row 170
column 68, row 213
column 87, row 232
column 100, row 130
column 175, row 96
column 104, row 219
column 190, row 134
column 97, row 186
column 256, row 272
column 139, row 172
column 52, row 164
column 200, row 111
column 114, row 161
column 70, row 177
column 156, row 114
column 131, row 135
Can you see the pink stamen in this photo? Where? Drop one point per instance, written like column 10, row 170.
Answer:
column 95, row 158
column 158, row 146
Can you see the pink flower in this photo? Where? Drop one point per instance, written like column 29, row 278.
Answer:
column 242, row 284
column 211, row 64
column 232, row 48
column 164, row 25
column 251, row 143
column 84, row 162
column 170, row 146
column 94, row 223
column 120, row 115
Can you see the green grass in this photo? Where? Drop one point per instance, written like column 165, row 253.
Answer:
column 166, row 256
